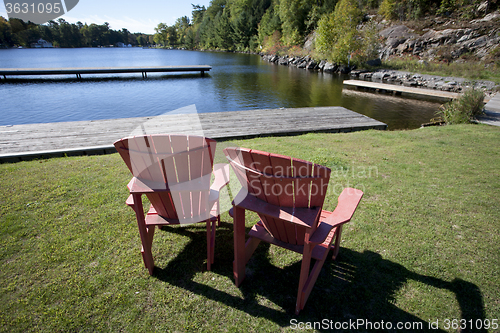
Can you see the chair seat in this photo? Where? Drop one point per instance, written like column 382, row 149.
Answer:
column 152, row 218
column 258, row 231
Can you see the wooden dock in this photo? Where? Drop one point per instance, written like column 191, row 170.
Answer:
column 25, row 142
column 78, row 71
column 444, row 95
column 492, row 112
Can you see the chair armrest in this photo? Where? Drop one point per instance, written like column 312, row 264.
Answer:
column 347, row 204
column 130, row 201
column 321, row 232
column 137, row 185
column 221, row 176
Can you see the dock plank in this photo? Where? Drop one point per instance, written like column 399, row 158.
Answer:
column 446, row 95
column 103, row 70
column 29, row 141
column 491, row 112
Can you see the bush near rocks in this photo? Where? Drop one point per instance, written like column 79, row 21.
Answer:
column 465, row 109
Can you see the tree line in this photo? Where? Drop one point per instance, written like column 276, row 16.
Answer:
column 341, row 26
column 16, row 32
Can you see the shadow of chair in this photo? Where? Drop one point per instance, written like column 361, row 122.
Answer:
column 358, row 285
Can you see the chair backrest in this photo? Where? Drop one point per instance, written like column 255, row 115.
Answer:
column 178, row 167
column 281, row 181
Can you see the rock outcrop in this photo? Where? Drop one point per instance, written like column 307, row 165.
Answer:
column 479, row 38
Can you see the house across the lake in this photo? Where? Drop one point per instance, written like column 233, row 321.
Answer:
column 41, row 44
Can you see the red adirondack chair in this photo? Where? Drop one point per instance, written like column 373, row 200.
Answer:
column 288, row 196
column 174, row 172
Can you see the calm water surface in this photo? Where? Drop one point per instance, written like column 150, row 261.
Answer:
column 236, row 82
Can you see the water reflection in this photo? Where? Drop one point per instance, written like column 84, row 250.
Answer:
column 397, row 111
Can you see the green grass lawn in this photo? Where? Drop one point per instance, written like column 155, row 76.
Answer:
column 423, row 247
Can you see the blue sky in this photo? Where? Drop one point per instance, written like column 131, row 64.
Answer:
column 136, row 16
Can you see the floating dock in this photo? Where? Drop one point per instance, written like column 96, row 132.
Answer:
column 445, row 95
column 78, row 71
column 25, row 142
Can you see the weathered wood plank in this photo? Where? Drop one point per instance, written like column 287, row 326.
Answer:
column 402, row 89
column 103, row 70
column 26, row 141
column 492, row 112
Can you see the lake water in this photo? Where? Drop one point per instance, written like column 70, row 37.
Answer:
column 236, row 82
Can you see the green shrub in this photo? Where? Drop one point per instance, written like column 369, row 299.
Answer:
column 464, row 109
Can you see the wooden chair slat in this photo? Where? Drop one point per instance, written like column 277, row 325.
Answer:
column 196, row 207
column 197, row 148
column 256, row 159
column 268, row 223
column 281, row 165
column 254, row 185
column 196, row 160
column 162, row 145
column 302, row 168
column 269, row 188
column 302, row 190
column 300, row 234
column 143, row 165
column 164, row 203
column 232, row 155
column 291, row 234
column 163, row 149
column 180, row 145
column 283, row 187
column 319, row 187
column 279, row 225
column 122, row 149
column 286, row 191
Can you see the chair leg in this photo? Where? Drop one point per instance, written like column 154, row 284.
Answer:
column 209, row 248
column 218, row 213
column 211, row 226
column 239, row 245
column 214, row 225
column 146, row 251
column 250, row 247
column 336, row 242
column 304, row 276
column 145, row 234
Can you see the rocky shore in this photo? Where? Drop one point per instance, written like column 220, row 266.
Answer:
column 446, row 39
column 453, row 84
